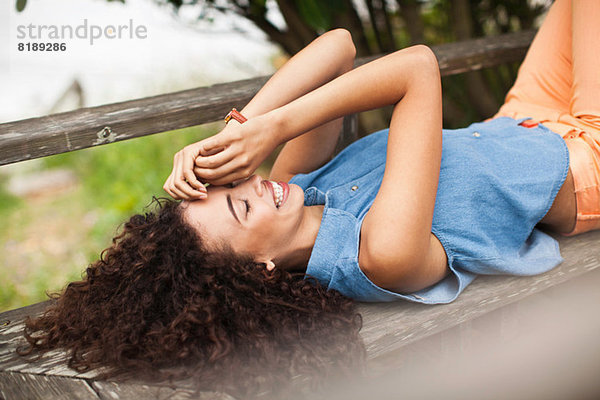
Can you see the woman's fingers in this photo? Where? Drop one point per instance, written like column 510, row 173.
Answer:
column 216, row 160
column 220, row 159
column 211, row 151
column 178, row 183
column 180, row 180
column 167, row 187
column 239, row 174
column 182, row 183
column 170, row 188
column 178, row 194
column 223, row 174
column 187, row 170
column 211, row 145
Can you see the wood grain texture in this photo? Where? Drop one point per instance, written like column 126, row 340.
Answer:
column 94, row 126
column 16, row 385
column 135, row 391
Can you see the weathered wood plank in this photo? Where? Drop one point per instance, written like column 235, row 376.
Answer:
column 545, row 345
column 134, row 391
column 387, row 327
column 15, row 385
column 349, row 133
column 390, row 326
column 471, row 55
column 87, row 127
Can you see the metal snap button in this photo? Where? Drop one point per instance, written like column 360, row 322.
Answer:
column 354, row 188
column 476, row 134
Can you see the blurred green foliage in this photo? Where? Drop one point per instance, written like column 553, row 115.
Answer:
column 123, row 176
column 8, row 202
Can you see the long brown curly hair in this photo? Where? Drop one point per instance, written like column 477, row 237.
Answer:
column 158, row 300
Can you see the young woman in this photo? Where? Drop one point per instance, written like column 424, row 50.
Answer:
column 407, row 213
column 412, row 212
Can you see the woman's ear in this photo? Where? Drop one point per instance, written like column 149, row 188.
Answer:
column 269, row 264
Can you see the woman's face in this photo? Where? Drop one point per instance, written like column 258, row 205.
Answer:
column 255, row 216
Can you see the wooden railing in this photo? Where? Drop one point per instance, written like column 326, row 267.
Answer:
column 93, row 126
column 388, row 328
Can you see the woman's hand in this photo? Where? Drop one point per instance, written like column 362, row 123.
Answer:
column 235, row 152
column 182, row 183
column 231, row 155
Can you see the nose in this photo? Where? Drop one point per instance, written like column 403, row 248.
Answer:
column 255, row 181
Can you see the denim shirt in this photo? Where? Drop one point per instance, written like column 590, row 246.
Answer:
column 497, row 181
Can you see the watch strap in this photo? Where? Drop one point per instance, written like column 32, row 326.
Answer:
column 235, row 114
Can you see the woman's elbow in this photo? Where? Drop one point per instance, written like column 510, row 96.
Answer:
column 343, row 41
column 425, row 71
column 418, row 59
column 423, row 55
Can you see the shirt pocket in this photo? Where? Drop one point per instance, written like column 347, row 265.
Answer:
column 357, row 195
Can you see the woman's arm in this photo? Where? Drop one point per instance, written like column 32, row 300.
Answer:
column 327, row 57
column 395, row 248
column 330, row 55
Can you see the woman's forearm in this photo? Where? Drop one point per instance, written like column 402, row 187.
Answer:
column 327, row 57
column 321, row 61
column 379, row 83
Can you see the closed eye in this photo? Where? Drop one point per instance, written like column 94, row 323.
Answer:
column 248, row 208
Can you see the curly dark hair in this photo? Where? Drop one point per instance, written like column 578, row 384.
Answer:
column 158, row 300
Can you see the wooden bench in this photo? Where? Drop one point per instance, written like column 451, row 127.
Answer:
column 388, row 328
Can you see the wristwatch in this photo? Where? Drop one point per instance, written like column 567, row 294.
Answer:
column 235, row 114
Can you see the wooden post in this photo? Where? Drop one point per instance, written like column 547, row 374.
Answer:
column 349, row 132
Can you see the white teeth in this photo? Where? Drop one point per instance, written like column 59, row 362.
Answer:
column 278, row 190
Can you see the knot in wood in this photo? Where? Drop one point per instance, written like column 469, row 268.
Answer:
column 105, row 135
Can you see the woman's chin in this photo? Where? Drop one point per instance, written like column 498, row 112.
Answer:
column 295, row 197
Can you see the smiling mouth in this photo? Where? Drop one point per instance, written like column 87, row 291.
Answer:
column 279, row 191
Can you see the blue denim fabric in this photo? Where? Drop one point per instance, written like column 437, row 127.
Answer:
column 497, row 181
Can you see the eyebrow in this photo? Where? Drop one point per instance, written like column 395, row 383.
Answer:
column 230, row 205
